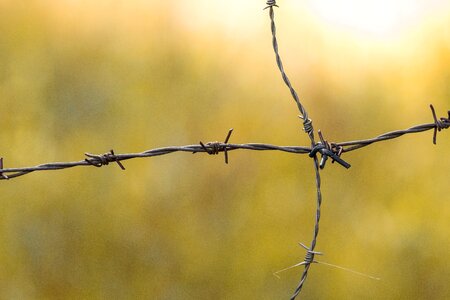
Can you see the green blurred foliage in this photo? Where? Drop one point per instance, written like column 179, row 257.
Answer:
column 78, row 76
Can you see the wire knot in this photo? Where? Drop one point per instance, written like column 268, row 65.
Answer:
column 327, row 149
column 271, row 3
column 441, row 123
column 309, row 256
column 103, row 159
column 214, row 148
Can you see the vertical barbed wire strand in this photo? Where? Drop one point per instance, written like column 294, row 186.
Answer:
column 307, row 123
column 309, row 259
column 309, row 129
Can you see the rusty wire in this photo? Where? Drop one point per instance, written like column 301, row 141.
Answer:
column 326, row 149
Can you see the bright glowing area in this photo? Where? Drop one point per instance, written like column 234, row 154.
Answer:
column 376, row 17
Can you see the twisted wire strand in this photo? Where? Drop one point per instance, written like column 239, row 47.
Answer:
column 357, row 144
column 307, row 122
column 104, row 159
column 9, row 173
column 309, row 258
column 309, row 129
column 438, row 125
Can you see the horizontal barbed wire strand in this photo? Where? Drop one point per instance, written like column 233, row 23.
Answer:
column 347, row 147
column 357, row 144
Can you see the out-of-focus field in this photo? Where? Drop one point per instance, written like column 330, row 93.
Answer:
column 88, row 76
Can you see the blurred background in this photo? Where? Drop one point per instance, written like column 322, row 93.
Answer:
column 88, row 76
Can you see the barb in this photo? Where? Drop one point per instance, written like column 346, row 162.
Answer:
column 309, row 259
column 103, row 159
column 442, row 123
column 214, row 148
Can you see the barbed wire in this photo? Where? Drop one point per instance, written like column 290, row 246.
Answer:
column 326, row 149
column 323, row 148
column 335, row 152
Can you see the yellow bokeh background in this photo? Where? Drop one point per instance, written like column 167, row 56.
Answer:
column 90, row 76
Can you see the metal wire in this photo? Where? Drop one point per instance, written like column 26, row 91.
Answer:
column 215, row 148
column 104, row 159
column 309, row 129
column 307, row 122
column 438, row 125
